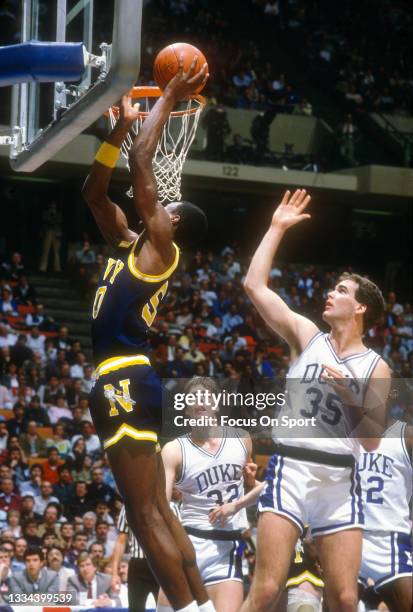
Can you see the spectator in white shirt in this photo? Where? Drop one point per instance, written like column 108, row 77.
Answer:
column 46, row 496
column 36, row 340
column 234, row 267
column 77, row 369
column 185, row 317
column 405, row 332
column 6, row 398
column 207, row 294
column 36, row 317
column 231, row 319
column 59, row 410
column 93, row 446
column 194, row 354
column 4, row 434
column 215, row 330
column 87, row 380
column 7, row 338
column 239, row 342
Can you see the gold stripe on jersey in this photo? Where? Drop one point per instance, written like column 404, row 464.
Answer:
column 305, row 576
column 116, row 363
column 150, row 278
column 130, row 432
column 124, row 244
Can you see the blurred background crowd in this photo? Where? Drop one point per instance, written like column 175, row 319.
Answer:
column 57, row 493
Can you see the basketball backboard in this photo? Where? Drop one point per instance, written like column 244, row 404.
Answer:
column 45, row 117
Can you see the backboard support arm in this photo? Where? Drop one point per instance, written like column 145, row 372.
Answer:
column 124, row 61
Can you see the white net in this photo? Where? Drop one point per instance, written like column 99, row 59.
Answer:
column 173, row 146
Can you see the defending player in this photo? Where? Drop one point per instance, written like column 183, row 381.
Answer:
column 208, row 467
column 126, row 398
column 312, row 480
column 304, row 585
column 387, row 481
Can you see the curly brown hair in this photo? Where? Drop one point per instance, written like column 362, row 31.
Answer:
column 369, row 294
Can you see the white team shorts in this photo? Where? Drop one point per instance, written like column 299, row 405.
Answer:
column 218, row 561
column 387, row 555
column 328, row 498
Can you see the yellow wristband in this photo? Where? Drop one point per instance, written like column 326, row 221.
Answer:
column 107, row 155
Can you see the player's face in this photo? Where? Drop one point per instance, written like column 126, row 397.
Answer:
column 203, row 406
column 341, row 304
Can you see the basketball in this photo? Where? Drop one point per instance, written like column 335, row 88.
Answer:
column 167, row 62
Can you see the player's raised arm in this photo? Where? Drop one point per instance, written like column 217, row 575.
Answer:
column 145, row 196
column 109, row 216
column 294, row 328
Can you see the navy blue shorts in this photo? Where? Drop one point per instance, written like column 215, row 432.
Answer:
column 126, row 401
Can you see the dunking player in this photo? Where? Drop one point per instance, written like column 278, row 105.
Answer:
column 126, row 398
column 312, row 480
column 386, row 481
column 209, row 466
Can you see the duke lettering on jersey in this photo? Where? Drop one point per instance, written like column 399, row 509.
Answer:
column 376, row 463
column 211, row 479
column 314, row 371
column 310, row 396
column 386, row 480
column 221, row 473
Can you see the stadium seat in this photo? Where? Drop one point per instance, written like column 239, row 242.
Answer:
column 45, row 432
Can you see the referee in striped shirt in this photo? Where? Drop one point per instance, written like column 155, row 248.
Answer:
column 141, row 581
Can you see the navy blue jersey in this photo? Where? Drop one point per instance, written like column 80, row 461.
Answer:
column 126, row 304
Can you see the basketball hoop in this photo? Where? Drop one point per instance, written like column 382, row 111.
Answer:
column 176, row 138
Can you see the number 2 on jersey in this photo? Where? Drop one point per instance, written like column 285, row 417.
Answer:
column 372, row 497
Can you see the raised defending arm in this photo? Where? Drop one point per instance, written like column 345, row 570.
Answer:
column 294, row 328
column 108, row 215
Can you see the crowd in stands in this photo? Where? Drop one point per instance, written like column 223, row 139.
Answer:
column 58, row 499
column 247, row 73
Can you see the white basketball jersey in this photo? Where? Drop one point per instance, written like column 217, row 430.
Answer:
column 308, row 395
column 386, row 480
column 210, row 479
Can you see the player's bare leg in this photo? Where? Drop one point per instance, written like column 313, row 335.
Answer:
column 181, row 539
column 226, row 596
column 398, row 595
column 282, row 602
column 135, row 467
column 275, row 533
column 340, row 558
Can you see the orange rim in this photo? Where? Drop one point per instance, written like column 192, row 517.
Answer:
column 151, row 91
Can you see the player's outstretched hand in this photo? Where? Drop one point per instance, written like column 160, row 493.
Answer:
column 291, row 209
column 250, row 472
column 183, row 84
column 128, row 112
column 221, row 514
